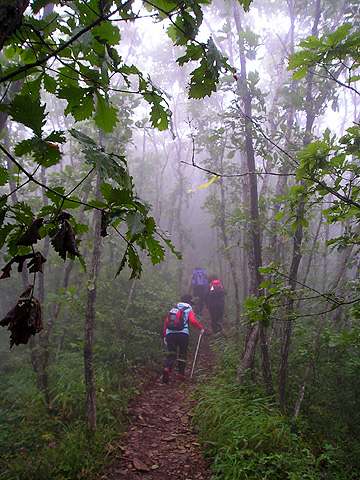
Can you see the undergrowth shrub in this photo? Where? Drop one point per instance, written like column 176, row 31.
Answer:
column 49, row 442
column 248, row 437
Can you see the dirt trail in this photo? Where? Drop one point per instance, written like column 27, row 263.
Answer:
column 161, row 442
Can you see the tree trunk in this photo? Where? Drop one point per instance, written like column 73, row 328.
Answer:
column 287, row 322
column 179, row 224
column 132, row 289
column 90, row 403
column 11, row 15
column 224, row 235
column 309, row 260
column 298, row 237
column 254, row 255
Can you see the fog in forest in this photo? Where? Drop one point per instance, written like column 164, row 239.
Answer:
column 139, row 141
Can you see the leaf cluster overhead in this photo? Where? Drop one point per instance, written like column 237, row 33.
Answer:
column 70, row 51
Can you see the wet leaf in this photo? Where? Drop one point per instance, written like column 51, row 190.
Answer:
column 24, row 319
column 19, row 259
column 63, row 215
column 64, row 241
column 36, row 263
column 166, row 419
column 140, row 466
column 31, row 235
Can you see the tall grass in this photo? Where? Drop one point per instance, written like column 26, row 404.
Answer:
column 49, row 442
column 248, row 437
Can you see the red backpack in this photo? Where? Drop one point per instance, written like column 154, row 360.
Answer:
column 176, row 319
column 216, row 289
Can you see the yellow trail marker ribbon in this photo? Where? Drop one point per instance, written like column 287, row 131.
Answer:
column 205, row 184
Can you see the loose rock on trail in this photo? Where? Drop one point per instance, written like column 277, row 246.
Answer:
column 161, row 442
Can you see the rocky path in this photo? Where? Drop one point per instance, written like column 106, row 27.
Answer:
column 161, row 441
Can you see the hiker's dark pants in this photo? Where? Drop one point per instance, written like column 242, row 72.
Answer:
column 216, row 310
column 200, row 292
column 175, row 342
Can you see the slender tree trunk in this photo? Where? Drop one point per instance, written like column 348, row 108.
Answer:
column 254, row 255
column 287, row 322
column 298, row 237
column 311, row 256
column 265, row 360
column 179, row 214
column 224, row 235
column 90, row 403
column 9, row 165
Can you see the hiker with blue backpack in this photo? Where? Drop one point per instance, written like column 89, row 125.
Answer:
column 199, row 285
column 215, row 302
column 176, row 335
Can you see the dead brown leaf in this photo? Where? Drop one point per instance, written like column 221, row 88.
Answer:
column 140, row 466
column 64, row 241
column 166, row 419
column 24, row 319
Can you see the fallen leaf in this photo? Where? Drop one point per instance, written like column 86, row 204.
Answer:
column 140, row 466
column 166, row 419
column 121, row 472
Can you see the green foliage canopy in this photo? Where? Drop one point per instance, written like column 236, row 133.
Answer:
column 71, row 52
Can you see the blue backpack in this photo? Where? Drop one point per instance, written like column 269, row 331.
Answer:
column 199, row 277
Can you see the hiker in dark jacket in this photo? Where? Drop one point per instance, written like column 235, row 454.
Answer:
column 215, row 302
column 179, row 339
column 199, row 285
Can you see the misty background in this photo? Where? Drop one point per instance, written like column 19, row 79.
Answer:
column 294, row 292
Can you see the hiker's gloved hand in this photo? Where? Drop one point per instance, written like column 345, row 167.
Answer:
column 202, row 331
column 165, row 342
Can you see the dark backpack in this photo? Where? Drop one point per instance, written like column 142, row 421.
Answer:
column 216, row 289
column 199, row 277
column 176, row 319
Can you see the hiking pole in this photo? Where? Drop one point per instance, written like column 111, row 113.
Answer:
column 196, row 352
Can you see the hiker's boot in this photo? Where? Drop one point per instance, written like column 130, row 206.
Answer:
column 166, row 375
column 181, row 377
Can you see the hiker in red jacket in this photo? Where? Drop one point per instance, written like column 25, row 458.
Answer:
column 215, row 301
column 176, row 335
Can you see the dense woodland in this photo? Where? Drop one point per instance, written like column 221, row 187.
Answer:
column 138, row 140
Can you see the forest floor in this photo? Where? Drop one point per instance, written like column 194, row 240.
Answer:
column 161, row 441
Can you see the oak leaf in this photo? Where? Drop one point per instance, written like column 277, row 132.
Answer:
column 64, row 241
column 24, row 319
column 36, row 263
column 31, row 235
column 140, row 466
